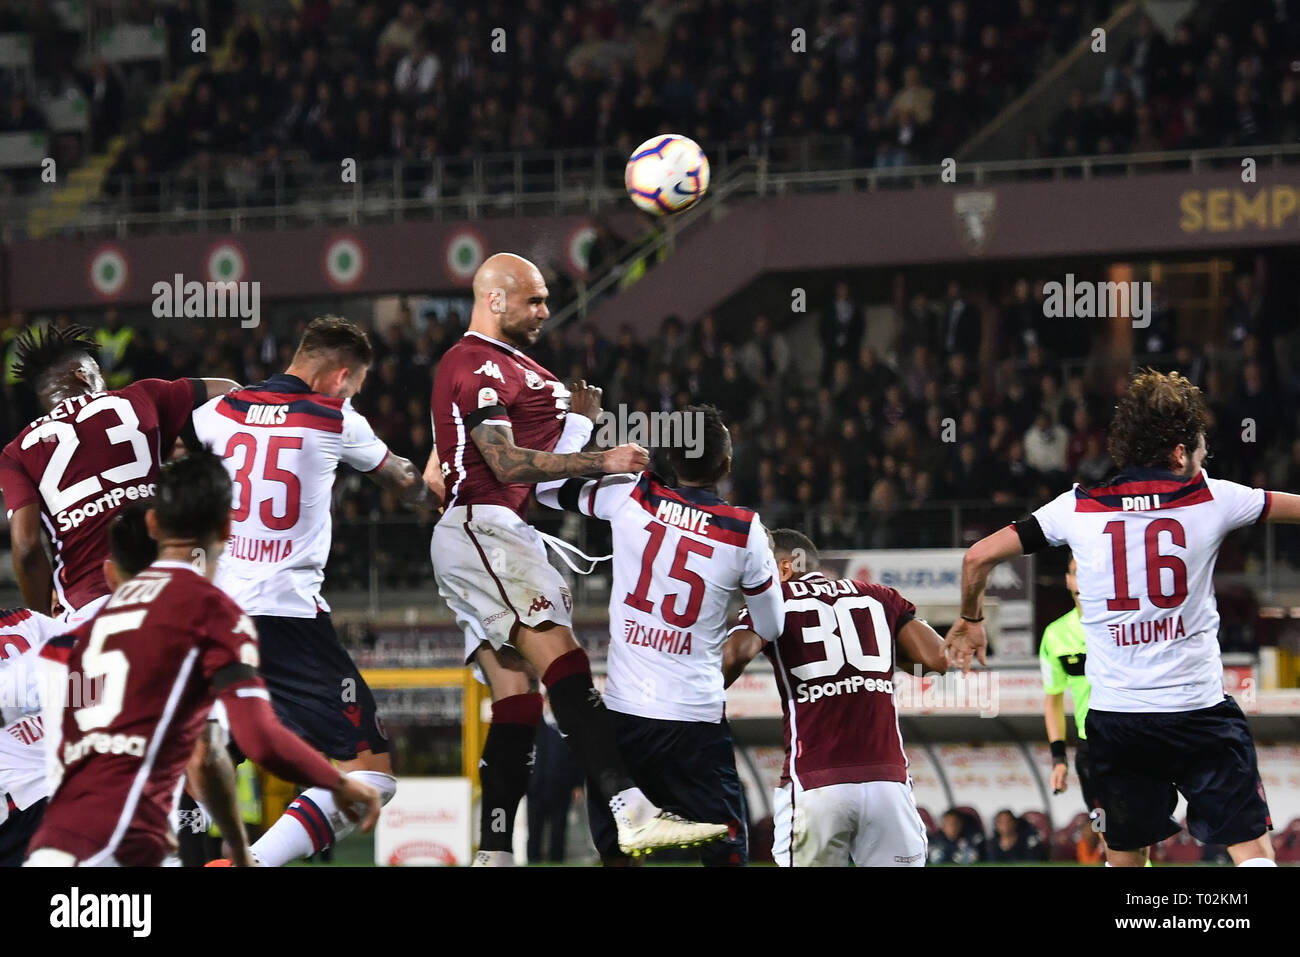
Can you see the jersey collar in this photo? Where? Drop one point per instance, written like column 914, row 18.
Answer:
column 697, row 496
column 497, row 342
column 283, row 382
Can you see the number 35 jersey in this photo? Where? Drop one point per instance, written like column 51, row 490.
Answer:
column 282, row 443
column 1146, row 544
column 83, row 460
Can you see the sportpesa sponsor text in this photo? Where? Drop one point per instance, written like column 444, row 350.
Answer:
column 72, row 517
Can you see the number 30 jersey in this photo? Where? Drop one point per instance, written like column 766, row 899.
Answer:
column 282, row 443
column 83, row 460
column 834, row 664
column 680, row 555
column 1146, row 544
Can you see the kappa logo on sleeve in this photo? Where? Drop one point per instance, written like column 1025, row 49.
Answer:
column 491, row 370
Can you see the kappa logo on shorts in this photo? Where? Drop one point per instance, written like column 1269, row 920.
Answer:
column 540, row 603
column 353, row 713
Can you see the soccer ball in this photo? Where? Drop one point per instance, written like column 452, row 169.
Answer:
column 666, row 174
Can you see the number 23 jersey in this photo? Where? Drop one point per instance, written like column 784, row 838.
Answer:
column 83, row 460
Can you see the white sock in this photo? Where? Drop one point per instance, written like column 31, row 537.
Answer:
column 1258, row 862
column 313, row 822
column 632, row 806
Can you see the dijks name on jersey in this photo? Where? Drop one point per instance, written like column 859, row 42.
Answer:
column 266, row 415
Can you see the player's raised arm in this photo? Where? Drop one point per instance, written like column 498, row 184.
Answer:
column 1281, row 507
column 510, row 463
column 966, row 639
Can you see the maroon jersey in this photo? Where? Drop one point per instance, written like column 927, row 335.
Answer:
column 84, row 459
column 484, row 380
column 147, row 663
column 834, row 667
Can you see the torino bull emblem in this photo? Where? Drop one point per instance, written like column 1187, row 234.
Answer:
column 975, row 214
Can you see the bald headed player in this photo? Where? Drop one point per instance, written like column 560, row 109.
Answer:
column 71, row 470
column 503, row 423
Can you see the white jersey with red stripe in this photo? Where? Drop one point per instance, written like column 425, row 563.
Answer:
column 680, row 555
column 1146, row 545
column 23, row 634
column 282, row 443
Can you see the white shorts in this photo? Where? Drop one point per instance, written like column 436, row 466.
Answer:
column 494, row 574
column 71, row 619
column 871, row 824
column 51, row 857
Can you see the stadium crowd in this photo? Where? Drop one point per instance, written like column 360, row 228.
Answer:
column 1229, row 77
column 902, row 82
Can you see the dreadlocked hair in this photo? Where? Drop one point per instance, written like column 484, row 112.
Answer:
column 40, row 349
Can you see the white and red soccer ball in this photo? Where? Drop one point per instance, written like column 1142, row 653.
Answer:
column 666, row 174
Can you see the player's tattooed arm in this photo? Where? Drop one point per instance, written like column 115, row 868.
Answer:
column 403, row 479
column 31, row 564
column 510, row 463
column 210, row 779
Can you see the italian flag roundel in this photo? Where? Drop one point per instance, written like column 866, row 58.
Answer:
column 579, row 250
column 226, row 263
column 345, row 261
column 108, row 271
column 464, row 255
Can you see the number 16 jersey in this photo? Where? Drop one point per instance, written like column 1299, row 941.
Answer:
column 282, row 443
column 1146, row 544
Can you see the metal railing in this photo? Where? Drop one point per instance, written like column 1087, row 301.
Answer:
column 756, row 178
column 237, row 193
column 556, row 183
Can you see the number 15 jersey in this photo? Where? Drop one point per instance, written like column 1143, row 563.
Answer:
column 680, row 555
column 282, row 443
column 1146, row 544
